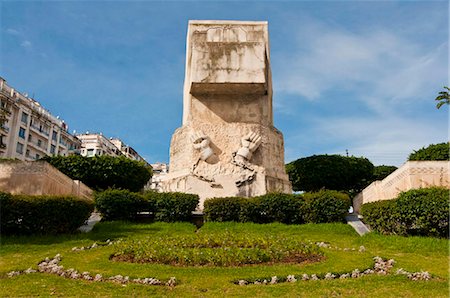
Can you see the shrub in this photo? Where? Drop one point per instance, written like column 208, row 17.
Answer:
column 280, row 207
column 173, row 206
column 432, row 152
column 326, row 206
column 421, row 212
column 335, row 172
column 381, row 216
column 223, row 209
column 22, row 214
column 103, row 172
column 115, row 204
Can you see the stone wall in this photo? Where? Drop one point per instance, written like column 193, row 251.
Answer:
column 39, row 178
column 412, row 175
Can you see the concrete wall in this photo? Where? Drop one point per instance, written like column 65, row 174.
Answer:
column 39, row 178
column 412, row 175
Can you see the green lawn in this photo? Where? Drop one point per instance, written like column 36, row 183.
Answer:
column 412, row 254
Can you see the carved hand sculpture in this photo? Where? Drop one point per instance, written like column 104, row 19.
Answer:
column 250, row 143
column 201, row 142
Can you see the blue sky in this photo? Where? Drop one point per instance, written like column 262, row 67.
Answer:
column 356, row 75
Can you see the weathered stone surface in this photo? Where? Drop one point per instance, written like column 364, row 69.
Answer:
column 227, row 145
column 412, row 175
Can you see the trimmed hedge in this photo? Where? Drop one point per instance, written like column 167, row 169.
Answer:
column 422, row 212
column 22, row 214
column 326, row 206
column 223, row 209
column 174, row 206
column 115, row 204
column 118, row 204
column 323, row 206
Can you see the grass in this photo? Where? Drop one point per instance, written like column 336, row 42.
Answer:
column 412, row 254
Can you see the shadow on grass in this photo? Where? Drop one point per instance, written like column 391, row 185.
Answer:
column 101, row 231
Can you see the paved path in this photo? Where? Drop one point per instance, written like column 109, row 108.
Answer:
column 90, row 223
column 353, row 220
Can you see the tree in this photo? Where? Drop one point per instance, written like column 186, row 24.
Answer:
column 443, row 98
column 381, row 172
column 335, row 172
column 432, row 152
column 103, row 172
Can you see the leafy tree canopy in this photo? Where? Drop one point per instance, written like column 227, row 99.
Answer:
column 432, row 152
column 103, row 172
column 381, row 172
column 333, row 172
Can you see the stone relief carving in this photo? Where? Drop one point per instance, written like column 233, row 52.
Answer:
column 250, row 143
column 201, row 142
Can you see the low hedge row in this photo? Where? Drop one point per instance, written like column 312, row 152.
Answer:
column 22, row 214
column 422, row 212
column 316, row 207
column 117, row 204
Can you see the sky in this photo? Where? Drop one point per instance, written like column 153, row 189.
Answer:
column 347, row 75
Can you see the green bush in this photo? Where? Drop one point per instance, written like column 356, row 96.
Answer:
column 22, row 214
column 173, row 206
column 326, row 206
column 115, row 204
column 432, row 152
column 103, row 172
column 319, row 207
column 280, row 207
column 421, row 212
column 223, row 209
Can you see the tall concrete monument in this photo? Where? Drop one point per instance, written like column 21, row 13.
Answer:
column 227, row 145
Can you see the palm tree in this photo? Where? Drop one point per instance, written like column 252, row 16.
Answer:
column 443, row 98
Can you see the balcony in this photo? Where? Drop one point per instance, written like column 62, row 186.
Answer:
column 41, row 148
column 39, row 130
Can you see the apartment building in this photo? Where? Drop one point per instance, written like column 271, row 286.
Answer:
column 127, row 150
column 28, row 130
column 159, row 171
column 97, row 144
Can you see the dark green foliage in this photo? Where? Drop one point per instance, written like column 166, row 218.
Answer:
column 326, row 206
column 416, row 212
column 432, row 152
column 173, row 206
column 21, row 214
column 223, row 209
column 381, row 172
column 115, row 204
column 323, row 206
column 279, row 207
column 335, row 172
column 103, row 172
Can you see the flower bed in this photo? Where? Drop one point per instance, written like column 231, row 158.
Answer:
column 220, row 249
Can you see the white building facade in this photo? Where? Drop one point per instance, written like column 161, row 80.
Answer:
column 29, row 131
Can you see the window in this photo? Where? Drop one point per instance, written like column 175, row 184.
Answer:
column 22, row 133
column 54, row 136
column 38, row 156
column 30, row 138
column 19, row 148
column 52, row 149
column 90, row 152
column 24, row 117
column 27, row 154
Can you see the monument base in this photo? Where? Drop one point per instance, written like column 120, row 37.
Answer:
column 225, row 185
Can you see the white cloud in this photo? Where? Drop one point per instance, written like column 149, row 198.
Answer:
column 12, row 31
column 26, row 44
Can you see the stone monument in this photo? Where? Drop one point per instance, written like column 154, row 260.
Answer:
column 227, row 145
